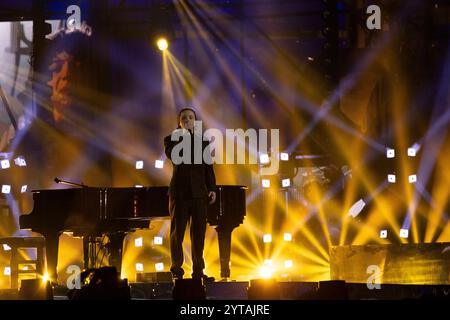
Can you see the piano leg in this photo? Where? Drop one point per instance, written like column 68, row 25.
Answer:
column 90, row 247
column 51, row 251
column 86, row 252
column 115, row 245
column 224, row 236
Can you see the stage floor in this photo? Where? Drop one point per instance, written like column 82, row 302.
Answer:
column 273, row 290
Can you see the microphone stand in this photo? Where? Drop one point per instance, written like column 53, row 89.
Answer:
column 69, row 183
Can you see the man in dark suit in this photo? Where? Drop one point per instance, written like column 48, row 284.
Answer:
column 192, row 187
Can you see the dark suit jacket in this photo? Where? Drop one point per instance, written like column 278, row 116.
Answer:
column 190, row 180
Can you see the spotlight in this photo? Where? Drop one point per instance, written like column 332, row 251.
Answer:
column 162, row 44
column 356, row 208
column 285, row 183
column 23, row 189
column 20, row 161
column 159, row 266
column 138, row 186
column 412, row 151
column 139, row 164
column 6, row 188
column 288, row 263
column 383, row 234
column 265, row 183
column 6, row 247
column 284, row 156
column 7, row 271
column 268, row 262
column 264, row 158
column 287, row 237
column 138, row 242
column 158, row 240
column 267, row 238
column 412, row 178
column 5, row 164
column 390, row 153
column 139, row 267
column 404, row 233
column 159, row 164
column 391, row 178
column 265, row 272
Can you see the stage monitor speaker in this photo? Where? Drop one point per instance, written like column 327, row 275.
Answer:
column 35, row 289
column 154, row 277
column 104, row 284
column 189, row 289
column 264, row 289
column 332, row 290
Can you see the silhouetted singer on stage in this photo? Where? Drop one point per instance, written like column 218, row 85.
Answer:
column 191, row 188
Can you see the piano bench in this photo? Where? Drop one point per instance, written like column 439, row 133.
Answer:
column 16, row 244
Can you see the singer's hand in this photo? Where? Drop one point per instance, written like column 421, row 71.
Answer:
column 212, row 196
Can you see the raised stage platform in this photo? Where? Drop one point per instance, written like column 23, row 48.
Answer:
column 409, row 264
column 369, row 272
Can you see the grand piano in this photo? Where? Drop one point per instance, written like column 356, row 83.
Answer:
column 91, row 212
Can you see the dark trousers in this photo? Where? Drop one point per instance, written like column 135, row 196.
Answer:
column 181, row 211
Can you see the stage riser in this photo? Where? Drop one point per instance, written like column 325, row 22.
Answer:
column 427, row 263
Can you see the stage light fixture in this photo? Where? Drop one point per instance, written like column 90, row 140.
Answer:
column 159, row 164
column 392, row 178
column 6, row 247
column 284, row 156
column 265, row 272
column 158, row 240
column 287, row 236
column 267, row 238
column 264, row 158
column 20, row 161
column 390, row 153
column 404, row 233
column 138, row 242
column 288, row 264
column 138, row 186
column 23, row 189
column 139, row 164
column 7, row 271
column 265, row 183
column 139, row 267
column 383, row 234
column 162, row 44
column 6, row 188
column 5, row 164
column 356, row 208
column 412, row 151
column 286, row 183
column 159, row 266
column 268, row 262
column 412, row 178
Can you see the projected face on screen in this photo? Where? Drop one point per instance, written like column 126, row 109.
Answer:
column 70, row 73
column 60, row 84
